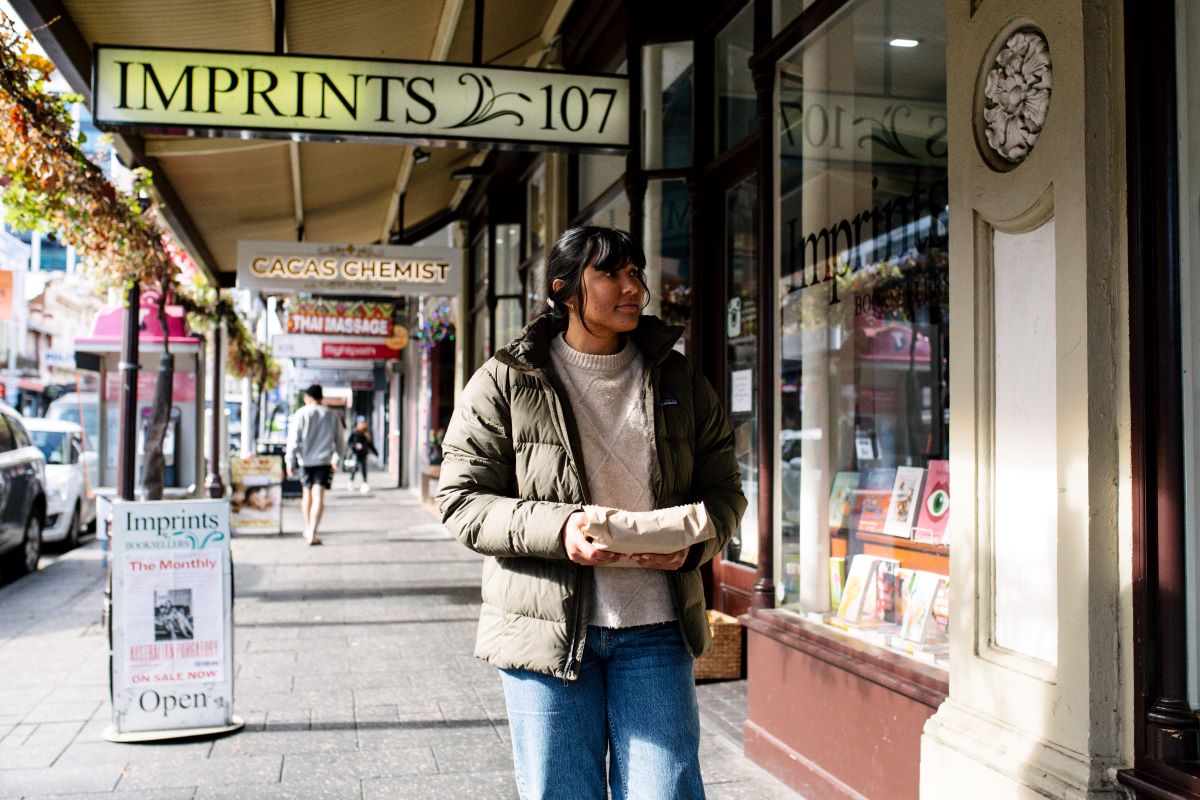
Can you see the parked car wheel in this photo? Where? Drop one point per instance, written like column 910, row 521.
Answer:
column 25, row 558
column 72, row 540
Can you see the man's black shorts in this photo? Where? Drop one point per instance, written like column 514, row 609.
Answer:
column 322, row 475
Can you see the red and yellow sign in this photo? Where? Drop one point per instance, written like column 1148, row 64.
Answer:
column 347, row 318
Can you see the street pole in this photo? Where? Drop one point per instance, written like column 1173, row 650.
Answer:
column 213, row 484
column 127, row 432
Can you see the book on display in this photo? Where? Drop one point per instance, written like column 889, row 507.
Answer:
column 872, row 499
column 905, row 502
column 841, row 499
column 869, row 596
column 934, row 511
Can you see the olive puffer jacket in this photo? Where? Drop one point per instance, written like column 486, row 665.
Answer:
column 512, row 474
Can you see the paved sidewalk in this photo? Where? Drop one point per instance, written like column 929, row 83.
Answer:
column 354, row 676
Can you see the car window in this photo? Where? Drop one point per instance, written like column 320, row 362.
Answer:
column 53, row 445
column 20, row 435
column 6, row 436
column 76, row 449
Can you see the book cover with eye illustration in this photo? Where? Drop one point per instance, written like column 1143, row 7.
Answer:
column 872, row 499
column 841, row 499
column 904, row 503
column 934, row 511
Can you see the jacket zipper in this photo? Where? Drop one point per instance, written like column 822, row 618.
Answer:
column 574, row 638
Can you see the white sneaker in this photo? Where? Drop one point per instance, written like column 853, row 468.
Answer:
column 364, row 488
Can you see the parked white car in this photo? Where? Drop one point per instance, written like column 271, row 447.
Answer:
column 70, row 506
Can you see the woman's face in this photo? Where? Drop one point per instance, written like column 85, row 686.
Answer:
column 612, row 300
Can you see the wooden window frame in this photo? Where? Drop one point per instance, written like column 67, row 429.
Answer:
column 1166, row 730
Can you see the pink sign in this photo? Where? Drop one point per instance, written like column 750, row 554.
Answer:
column 183, row 387
column 364, row 352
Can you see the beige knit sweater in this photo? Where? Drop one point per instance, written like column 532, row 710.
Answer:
column 605, row 393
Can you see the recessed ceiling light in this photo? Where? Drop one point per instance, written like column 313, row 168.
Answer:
column 904, row 43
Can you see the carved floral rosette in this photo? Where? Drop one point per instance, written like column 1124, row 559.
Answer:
column 1016, row 96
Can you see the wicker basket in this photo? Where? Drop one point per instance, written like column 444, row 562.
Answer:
column 724, row 660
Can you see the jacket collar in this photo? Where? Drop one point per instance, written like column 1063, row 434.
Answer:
column 531, row 349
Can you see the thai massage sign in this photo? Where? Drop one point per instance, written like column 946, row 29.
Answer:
column 210, row 91
column 347, row 317
column 354, row 269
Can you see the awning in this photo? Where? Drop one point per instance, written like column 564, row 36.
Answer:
column 218, row 191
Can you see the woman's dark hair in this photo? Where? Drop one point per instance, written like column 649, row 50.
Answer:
column 578, row 248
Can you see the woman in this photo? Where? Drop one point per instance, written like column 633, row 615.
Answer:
column 360, row 444
column 592, row 406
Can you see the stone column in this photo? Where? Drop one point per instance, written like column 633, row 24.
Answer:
column 1039, row 442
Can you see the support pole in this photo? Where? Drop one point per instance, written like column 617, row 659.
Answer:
column 127, row 432
column 477, row 38
column 213, row 485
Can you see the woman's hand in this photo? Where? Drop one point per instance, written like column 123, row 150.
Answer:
column 663, row 561
column 579, row 546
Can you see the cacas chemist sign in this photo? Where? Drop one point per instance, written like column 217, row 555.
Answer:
column 354, row 269
column 322, row 97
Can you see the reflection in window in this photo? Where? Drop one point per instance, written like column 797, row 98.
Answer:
column 668, row 247
column 613, row 214
column 667, row 100
column 508, row 249
column 864, row 403
column 737, row 105
column 596, row 175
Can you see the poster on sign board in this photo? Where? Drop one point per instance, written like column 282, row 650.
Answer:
column 172, row 619
column 256, row 497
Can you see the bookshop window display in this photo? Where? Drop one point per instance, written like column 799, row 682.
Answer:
column 863, row 348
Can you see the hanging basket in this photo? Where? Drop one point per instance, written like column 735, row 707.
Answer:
column 724, row 660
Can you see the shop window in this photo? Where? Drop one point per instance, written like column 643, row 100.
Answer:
column 509, row 308
column 863, row 349
column 668, row 246
column 537, row 241
column 786, row 11
column 480, row 345
column 597, row 174
column 737, row 104
column 612, row 214
column 741, row 352
column 535, row 211
column 667, row 105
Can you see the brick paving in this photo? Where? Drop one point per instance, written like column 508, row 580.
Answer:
column 354, row 675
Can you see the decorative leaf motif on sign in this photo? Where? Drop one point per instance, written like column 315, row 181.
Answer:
column 885, row 132
column 200, row 544
column 485, row 100
column 1017, row 96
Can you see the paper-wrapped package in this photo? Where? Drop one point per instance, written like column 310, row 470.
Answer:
column 662, row 531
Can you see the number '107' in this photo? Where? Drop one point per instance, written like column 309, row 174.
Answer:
column 574, row 105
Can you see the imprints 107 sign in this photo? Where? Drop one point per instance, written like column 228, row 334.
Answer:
column 201, row 90
column 172, row 616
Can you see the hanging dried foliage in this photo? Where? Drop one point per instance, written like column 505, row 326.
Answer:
column 48, row 184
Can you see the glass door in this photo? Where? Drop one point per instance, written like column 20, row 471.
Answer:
column 741, row 352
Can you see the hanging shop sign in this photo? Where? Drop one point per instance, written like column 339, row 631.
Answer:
column 346, row 317
column 340, row 269
column 213, row 92
column 332, row 377
column 172, row 619
column 336, row 348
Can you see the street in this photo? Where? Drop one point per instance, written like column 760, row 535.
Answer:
column 354, row 676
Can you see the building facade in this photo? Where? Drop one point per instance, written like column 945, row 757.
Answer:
column 919, row 244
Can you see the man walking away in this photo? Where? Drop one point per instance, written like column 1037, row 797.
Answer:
column 314, row 439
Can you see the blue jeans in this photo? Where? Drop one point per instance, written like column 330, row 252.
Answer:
column 635, row 699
